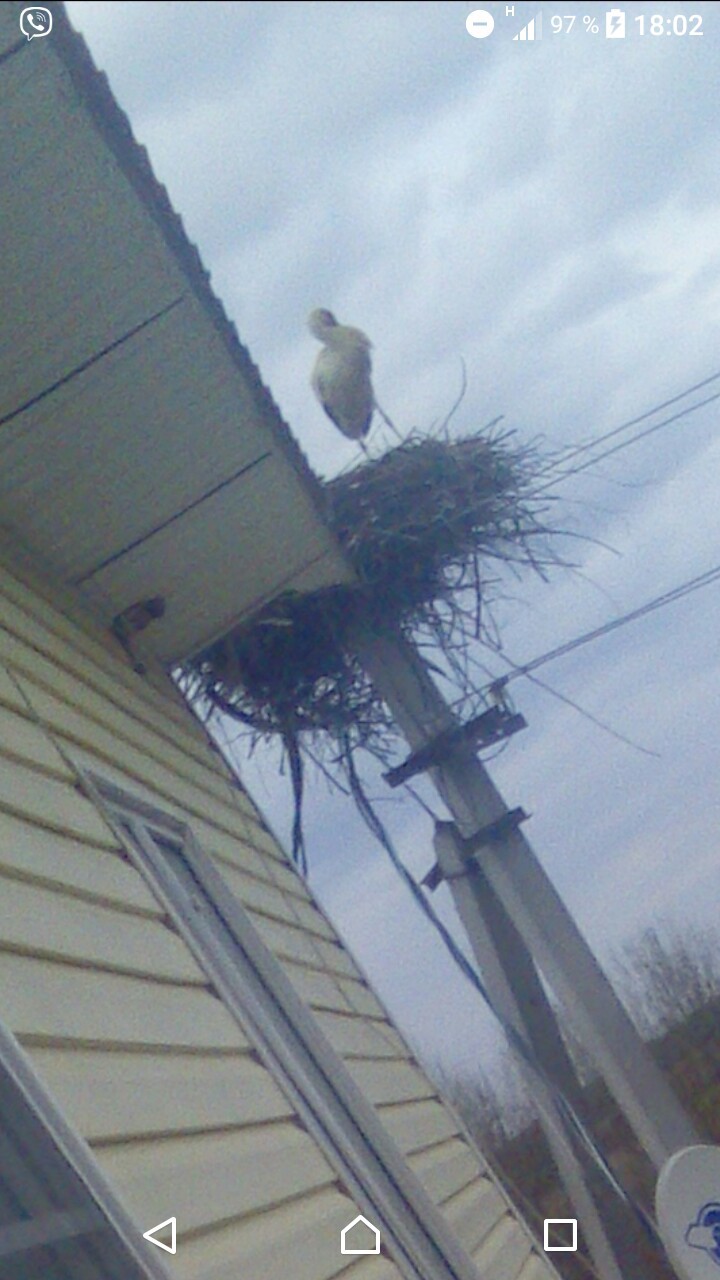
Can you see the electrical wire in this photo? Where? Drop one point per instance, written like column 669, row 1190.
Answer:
column 498, row 683
column 525, row 669
column 575, row 450
column 588, row 715
column 624, row 444
column 686, row 588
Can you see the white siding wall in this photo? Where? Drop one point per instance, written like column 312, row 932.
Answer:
column 120, row 1020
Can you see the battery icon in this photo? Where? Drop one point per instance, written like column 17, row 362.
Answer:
column 615, row 25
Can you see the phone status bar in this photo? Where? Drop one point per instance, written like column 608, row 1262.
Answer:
column 613, row 24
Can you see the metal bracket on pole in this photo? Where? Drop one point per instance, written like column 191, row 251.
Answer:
column 493, row 833
column 491, row 726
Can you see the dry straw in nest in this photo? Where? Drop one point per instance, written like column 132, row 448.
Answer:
column 419, row 525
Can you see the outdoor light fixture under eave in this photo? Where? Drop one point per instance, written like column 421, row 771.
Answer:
column 142, row 456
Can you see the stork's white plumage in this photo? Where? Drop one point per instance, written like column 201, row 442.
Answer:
column 341, row 378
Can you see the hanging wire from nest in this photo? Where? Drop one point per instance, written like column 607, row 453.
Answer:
column 426, row 527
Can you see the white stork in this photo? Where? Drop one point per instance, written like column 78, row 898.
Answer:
column 341, row 377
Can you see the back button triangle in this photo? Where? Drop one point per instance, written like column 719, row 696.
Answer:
column 153, row 1232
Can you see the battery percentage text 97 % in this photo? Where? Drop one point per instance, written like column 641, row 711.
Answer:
column 566, row 22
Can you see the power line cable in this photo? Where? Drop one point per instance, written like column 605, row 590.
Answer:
column 588, row 715
column 480, row 699
column 650, row 606
column 631, row 422
column 519, row 670
column 624, row 444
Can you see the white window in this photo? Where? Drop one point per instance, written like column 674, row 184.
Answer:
column 58, row 1219
column 256, row 990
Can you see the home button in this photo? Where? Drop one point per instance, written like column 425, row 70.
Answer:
column 360, row 1236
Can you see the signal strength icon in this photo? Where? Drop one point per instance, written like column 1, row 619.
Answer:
column 533, row 30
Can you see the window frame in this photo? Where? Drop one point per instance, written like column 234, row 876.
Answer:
column 257, row 992
column 102, row 1204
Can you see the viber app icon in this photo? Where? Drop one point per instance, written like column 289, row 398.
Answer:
column 35, row 22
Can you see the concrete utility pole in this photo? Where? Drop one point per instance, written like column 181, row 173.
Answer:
column 504, row 897
column 514, row 986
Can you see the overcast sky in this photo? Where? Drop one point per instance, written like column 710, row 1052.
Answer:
column 549, row 212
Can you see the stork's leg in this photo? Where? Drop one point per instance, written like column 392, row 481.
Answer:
column 388, row 421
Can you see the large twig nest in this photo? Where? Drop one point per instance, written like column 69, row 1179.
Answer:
column 421, row 526
column 425, row 512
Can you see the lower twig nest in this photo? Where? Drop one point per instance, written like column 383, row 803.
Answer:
column 421, row 526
